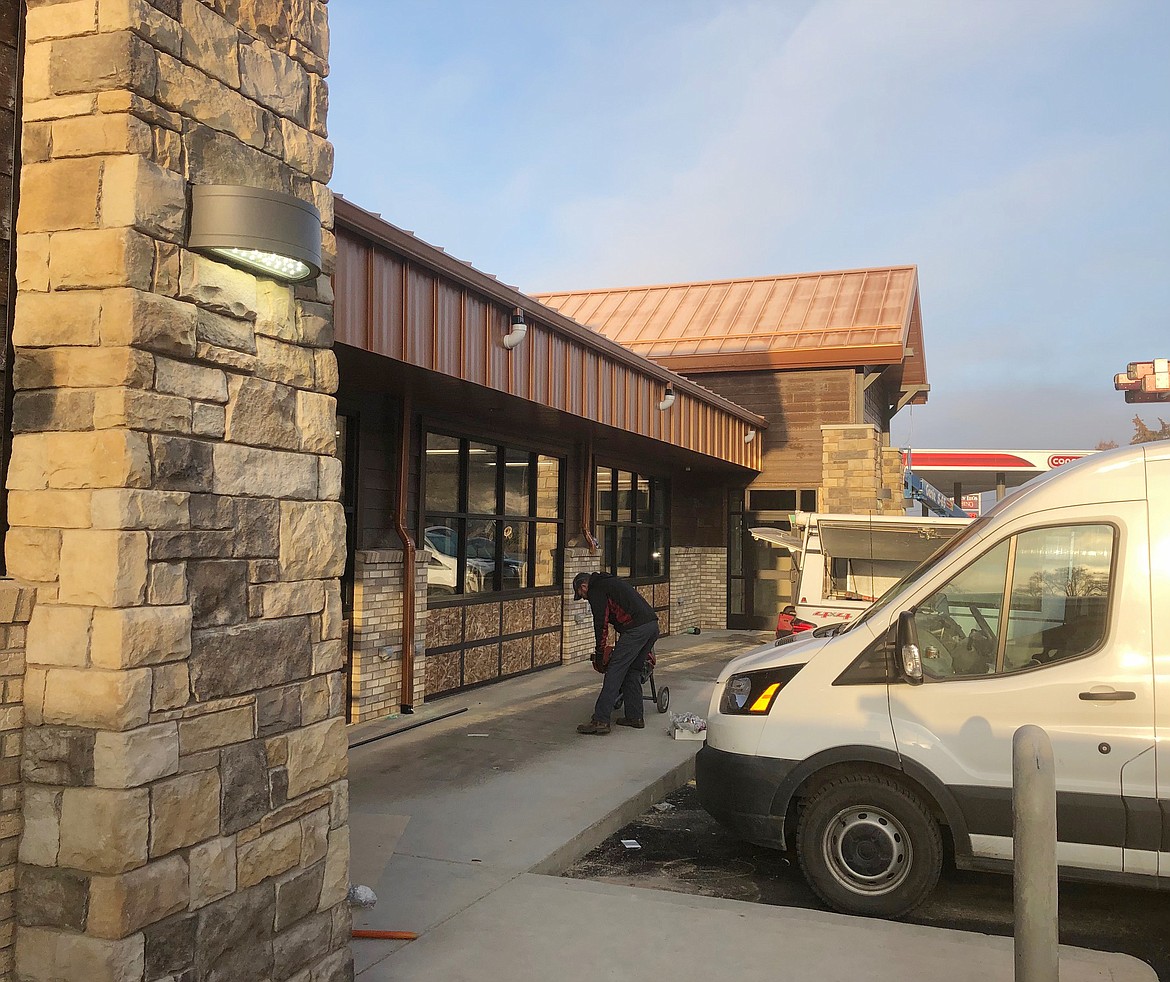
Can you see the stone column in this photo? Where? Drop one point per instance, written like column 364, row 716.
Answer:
column 893, row 482
column 15, row 608
column 853, row 478
column 174, row 500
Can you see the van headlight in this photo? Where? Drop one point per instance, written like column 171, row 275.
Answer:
column 753, row 693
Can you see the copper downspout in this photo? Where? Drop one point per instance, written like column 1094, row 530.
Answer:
column 587, row 498
column 408, row 553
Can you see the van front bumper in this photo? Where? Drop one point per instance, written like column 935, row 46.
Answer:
column 739, row 789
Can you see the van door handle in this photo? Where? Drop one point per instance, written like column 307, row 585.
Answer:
column 1112, row 695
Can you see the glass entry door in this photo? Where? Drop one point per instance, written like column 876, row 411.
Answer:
column 761, row 578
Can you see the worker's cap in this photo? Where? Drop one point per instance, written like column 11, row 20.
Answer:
column 579, row 581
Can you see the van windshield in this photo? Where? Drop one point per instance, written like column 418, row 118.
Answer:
column 944, row 550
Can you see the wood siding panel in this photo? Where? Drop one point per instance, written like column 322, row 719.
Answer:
column 796, row 405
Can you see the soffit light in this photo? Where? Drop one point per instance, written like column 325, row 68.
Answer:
column 264, row 232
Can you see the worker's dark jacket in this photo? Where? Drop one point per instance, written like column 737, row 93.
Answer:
column 614, row 601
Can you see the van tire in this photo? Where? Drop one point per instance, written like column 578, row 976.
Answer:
column 869, row 846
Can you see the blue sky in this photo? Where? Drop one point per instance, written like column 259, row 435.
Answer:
column 1017, row 152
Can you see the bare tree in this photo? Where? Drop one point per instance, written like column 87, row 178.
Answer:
column 1143, row 433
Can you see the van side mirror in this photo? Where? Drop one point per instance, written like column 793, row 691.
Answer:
column 908, row 648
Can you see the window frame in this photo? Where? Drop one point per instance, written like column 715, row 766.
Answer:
column 461, row 519
column 609, row 526
column 1012, row 541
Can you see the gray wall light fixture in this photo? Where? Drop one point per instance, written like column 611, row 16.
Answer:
column 265, row 232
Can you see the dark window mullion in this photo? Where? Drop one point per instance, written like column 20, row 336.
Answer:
column 498, row 526
column 461, row 525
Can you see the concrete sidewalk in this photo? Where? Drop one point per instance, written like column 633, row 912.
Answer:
column 457, row 822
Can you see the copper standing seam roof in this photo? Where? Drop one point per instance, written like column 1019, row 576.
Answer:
column 403, row 298
column 859, row 317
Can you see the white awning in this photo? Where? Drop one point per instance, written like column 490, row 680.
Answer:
column 865, row 540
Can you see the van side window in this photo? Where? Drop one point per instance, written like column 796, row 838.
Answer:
column 1059, row 594
column 1056, row 582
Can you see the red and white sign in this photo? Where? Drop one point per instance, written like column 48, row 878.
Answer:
column 991, row 460
column 972, row 504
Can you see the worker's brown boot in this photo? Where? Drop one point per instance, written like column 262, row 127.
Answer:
column 637, row 724
column 594, row 728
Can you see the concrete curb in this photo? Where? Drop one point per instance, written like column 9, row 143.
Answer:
column 563, row 857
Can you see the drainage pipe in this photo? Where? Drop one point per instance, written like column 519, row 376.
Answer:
column 587, row 472
column 408, row 561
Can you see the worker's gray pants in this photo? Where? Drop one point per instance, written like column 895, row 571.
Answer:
column 624, row 672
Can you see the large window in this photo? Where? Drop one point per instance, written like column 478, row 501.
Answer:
column 491, row 517
column 1055, row 586
column 633, row 524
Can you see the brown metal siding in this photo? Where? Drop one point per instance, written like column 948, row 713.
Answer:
column 393, row 306
column 349, row 280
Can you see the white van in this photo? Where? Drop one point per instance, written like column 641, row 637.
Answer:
column 868, row 748
column 842, row 563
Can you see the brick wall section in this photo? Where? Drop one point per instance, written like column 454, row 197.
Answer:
column 713, row 587
column 698, row 588
column 174, row 498
column 577, row 627
column 376, row 658
column 856, row 472
column 15, row 609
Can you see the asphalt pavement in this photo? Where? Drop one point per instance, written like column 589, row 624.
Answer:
column 462, row 815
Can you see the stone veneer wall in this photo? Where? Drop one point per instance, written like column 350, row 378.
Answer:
column 894, row 481
column 175, row 503
column 376, row 658
column 856, row 472
column 15, row 609
column 698, row 588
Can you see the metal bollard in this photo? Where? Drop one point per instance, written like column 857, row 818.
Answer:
column 1034, row 834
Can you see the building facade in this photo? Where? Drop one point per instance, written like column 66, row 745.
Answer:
column 826, row 358
column 481, row 477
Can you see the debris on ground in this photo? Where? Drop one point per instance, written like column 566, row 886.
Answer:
column 361, row 896
column 688, row 721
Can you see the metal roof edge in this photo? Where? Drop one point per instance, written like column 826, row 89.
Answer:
column 377, row 229
column 727, row 281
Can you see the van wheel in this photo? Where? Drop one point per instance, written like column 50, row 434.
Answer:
column 869, row 846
